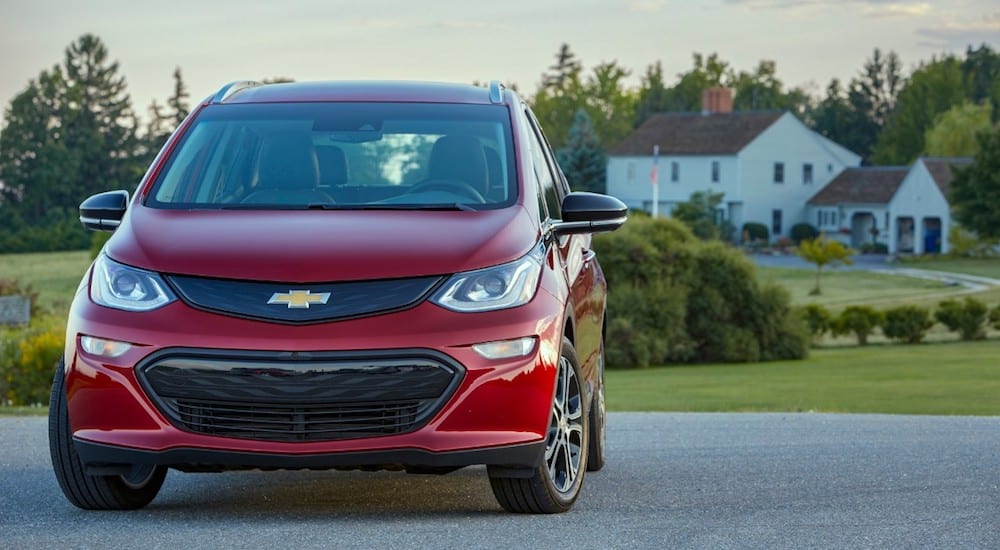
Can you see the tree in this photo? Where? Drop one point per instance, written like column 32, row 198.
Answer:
column 822, row 252
column 69, row 134
column 833, row 116
column 954, row 131
column 178, row 102
column 700, row 214
column 582, row 159
column 981, row 75
column 872, row 97
column 566, row 69
column 975, row 191
column 932, row 89
column 859, row 320
column 761, row 90
column 652, row 95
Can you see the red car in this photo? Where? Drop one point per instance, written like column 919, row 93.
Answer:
column 340, row 275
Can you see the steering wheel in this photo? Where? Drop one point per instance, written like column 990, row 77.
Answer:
column 449, row 186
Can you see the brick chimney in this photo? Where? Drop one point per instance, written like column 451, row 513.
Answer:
column 716, row 100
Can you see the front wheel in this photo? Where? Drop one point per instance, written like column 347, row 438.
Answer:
column 555, row 485
column 121, row 492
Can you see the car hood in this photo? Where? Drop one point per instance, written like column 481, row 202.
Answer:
column 320, row 245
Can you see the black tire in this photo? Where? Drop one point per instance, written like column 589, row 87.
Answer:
column 93, row 492
column 555, row 485
column 598, row 421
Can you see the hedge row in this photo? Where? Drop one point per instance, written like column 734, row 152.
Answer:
column 28, row 357
column 906, row 323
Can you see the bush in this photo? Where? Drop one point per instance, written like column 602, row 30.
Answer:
column 802, row 232
column 967, row 244
column 676, row 299
column 755, row 232
column 907, row 323
column 817, row 319
column 967, row 318
column 874, row 248
column 28, row 359
column 995, row 317
column 97, row 240
column 858, row 320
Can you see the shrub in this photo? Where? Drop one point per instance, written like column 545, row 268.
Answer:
column 755, row 232
column 817, row 319
column 968, row 244
column 967, row 318
column 676, row 299
column 859, row 320
column 802, row 232
column 28, row 358
column 995, row 317
column 907, row 323
column 874, row 248
column 97, row 240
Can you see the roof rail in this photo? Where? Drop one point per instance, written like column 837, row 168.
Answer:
column 496, row 91
column 229, row 89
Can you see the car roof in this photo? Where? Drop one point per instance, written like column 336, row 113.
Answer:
column 394, row 91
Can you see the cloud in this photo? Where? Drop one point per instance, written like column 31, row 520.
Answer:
column 646, row 6
column 960, row 32
column 870, row 8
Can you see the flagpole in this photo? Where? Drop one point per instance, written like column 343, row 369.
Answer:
column 654, row 178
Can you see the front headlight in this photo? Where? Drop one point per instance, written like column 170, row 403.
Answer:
column 122, row 287
column 500, row 287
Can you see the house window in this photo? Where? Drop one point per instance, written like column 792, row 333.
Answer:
column 630, row 167
column 675, row 171
column 779, row 172
column 820, row 218
column 807, row 173
column 776, row 222
column 715, row 171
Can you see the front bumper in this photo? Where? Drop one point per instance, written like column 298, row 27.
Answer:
column 497, row 413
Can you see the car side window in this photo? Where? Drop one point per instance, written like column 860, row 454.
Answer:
column 543, row 169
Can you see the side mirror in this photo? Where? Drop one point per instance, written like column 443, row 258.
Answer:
column 590, row 213
column 104, row 211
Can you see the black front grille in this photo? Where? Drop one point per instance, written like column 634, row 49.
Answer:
column 299, row 396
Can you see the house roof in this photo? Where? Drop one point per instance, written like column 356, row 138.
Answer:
column 941, row 171
column 696, row 133
column 862, row 185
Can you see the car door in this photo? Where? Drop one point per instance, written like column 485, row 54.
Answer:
column 578, row 261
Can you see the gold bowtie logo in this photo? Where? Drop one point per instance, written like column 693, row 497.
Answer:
column 298, row 299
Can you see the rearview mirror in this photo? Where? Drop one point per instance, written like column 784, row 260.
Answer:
column 104, row 211
column 590, row 213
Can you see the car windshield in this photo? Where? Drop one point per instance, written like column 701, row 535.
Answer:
column 341, row 156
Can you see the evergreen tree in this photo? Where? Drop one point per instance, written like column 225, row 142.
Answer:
column 565, row 70
column 178, row 102
column 872, row 97
column 652, row 96
column 582, row 159
column 975, row 191
column 981, row 75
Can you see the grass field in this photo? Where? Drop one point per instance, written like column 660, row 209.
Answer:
column 842, row 288
column 54, row 275
column 983, row 267
column 946, row 378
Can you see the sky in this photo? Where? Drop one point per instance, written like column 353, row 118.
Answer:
column 217, row 41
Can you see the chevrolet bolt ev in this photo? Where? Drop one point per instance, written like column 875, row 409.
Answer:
column 340, row 275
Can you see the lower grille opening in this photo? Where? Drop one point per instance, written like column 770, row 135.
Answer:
column 300, row 397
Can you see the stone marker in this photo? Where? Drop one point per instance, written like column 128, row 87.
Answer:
column 15, row 310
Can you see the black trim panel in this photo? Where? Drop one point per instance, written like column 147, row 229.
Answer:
column 106, row 458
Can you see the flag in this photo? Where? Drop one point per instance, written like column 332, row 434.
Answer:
column 654, row 174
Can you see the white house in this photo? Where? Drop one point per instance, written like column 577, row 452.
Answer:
column 904, row 208
column 767, row 164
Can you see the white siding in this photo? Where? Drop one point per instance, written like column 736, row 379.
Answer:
column 918, row 198
column 746, row 178
column 792, row 143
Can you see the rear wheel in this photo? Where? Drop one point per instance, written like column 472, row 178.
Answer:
column 120, row 492
column 555, row 485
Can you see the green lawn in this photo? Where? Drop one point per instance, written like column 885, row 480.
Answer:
column 845, row 287
column 945, row 378
column 23, row 411
column 54, row 275
column 983, row 267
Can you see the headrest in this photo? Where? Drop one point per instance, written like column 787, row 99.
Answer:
column 332, row 165
column 287, row 161
column 460, row 158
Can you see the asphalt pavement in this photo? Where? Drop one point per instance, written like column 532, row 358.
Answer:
column 672, row 481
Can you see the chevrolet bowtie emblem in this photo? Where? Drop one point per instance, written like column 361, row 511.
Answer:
column 299, row 299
